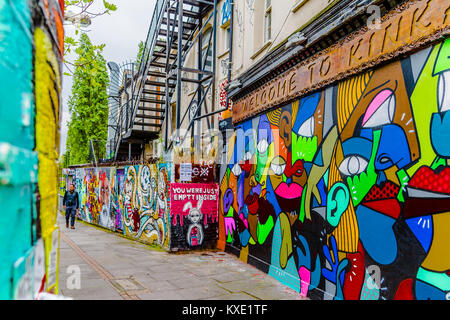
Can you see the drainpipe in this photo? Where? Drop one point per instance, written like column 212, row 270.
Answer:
column 230, row 52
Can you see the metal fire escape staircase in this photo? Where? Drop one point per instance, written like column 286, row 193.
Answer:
column 149, row 92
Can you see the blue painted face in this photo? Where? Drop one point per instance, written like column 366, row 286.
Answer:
column 393, row 148
column 440, row 121
column 440, row 133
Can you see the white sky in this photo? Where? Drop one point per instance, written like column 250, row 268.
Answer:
column 120, row 32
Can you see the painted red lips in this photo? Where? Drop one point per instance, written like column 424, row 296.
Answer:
column 435, row 198
column 289, row 196
column 384, row 199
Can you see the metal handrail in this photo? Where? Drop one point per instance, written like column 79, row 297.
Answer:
column 136, row 91
column 149, row 47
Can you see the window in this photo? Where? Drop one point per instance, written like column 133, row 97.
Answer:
column 227, row 38
column 207, row 54
column 268, row 20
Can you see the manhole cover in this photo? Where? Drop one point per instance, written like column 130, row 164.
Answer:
column 127, row 284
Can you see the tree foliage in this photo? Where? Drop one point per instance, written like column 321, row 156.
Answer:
column 88, row 104
column 79, row 14
column 140, row 53
column 63, row 161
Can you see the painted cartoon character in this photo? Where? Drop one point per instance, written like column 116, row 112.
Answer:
column 194, row 235
column 93, row 205
column 162, row 184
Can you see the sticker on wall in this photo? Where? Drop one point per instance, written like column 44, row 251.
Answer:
column 23, row 277
column 39, row 267
column 185, row 172
column 52, row 262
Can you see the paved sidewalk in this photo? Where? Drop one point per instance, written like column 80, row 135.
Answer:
column 113, row 267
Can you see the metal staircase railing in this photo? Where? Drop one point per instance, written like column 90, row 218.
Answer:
column 175, row 28
column 149, row 47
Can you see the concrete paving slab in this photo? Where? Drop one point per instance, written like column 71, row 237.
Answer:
column 171, row 294
column 233, row 296
column 192, row 281
column 156, row 285
column 273, row 293
column 198, row 293
column 228, row 276
column 243, row 285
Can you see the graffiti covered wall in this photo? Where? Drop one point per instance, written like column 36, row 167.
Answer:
column 133, row 200
column 136, row 202
column 145, row 217
column 31, row 34
column 345, row 193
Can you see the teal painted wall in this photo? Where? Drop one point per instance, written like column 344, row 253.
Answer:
column 25, row 241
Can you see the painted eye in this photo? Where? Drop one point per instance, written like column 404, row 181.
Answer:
column 262, row 146
column 381, row 110
column 444, row 91
column 278, row 165
column 307, row 128
column 353, row 165
column 236, row 170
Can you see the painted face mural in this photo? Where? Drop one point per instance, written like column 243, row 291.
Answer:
column 144, row 220
column 106, row 219
column 117, row 203
column 344, row 193
column 93, row 205
column 127, row 199
column 427, row 206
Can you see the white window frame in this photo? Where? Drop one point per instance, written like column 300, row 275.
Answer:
column 267, row 20
column 205, row 37
column 227, row 38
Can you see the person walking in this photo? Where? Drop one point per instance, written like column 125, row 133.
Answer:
column 71, row 205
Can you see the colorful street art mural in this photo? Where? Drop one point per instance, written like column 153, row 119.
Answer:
column 143, row 218
column 136, row 201
column 133, row 200
column 117, row 187
column 345, row 193
column 31, row 34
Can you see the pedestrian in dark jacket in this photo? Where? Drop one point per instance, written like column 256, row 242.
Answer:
column 71, row 205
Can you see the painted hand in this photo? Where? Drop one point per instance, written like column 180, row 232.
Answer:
column 336, row 266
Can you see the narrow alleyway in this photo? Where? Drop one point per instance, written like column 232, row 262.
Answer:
column 111, row 267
